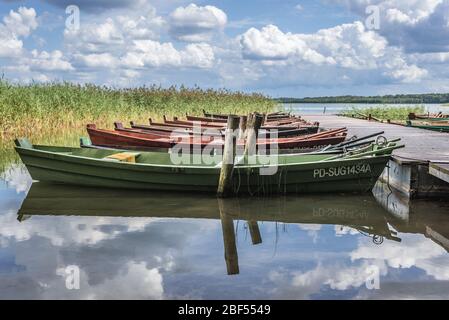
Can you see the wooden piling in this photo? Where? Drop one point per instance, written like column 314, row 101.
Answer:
column 254, row 232
column 242, row 127
column 252, row 130
column 230, row 247
column 229, row 151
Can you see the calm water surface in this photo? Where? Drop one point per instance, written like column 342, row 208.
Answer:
column 334, row 108
column 162, row 246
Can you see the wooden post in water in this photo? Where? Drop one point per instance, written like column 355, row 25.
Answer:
column 227, row 165
column 230, row 247
column 254, row 232
column 242, row 127
column 252, row 130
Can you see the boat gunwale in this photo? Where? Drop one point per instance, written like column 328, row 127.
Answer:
column 202, row 168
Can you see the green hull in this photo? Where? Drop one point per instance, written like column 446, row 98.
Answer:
column 48, row 199
column 428, row 125
column 295, row 173
column 433, row 128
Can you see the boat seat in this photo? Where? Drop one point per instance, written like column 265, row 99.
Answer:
column 123, row 157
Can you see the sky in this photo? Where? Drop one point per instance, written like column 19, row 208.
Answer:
column 279, row 48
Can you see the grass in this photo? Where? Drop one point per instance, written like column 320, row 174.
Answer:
column 56, row 113
column 384, row 112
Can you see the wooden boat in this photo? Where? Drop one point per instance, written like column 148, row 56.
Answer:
column 156, row 171
column 348, row 146
column 280, row 133
column 220, row 124
column 205, row 124
column 123, row 139
column 429, row 117
column 290, row 120
column 441, row 126
column 359, row 212
column 275, row 115
column 45, row 199
column 200, row 125
column 118, row 126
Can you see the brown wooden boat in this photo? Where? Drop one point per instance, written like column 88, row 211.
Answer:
column 274, row 115
column 124, row 139
column 207, row 124
column 208, row 131
column 269, row 121
column 203, row 126
column 118, row 126
column 429, row 116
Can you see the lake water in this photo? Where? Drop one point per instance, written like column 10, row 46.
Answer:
column 149, row 245
column 163, row 246
column 335, row 108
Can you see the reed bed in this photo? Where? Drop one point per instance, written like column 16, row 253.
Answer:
column 384, row 112
column 56, row 113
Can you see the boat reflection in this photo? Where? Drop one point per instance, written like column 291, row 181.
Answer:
column 362, row 213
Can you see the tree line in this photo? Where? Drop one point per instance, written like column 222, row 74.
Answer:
column 391, row 99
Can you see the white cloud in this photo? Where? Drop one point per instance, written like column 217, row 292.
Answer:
column 408, row 74
column 365, row 54
column 48, row 61
column 22, row 22
column 10, row 46
column 299, row 7
column 431, row 58
column 199, row 55
column 195, row 23
column 16, row 24
column 17, row 177
column 141, row 283
column 348, row 45
column 409, row 23
column 101, row 60
column 148, row 53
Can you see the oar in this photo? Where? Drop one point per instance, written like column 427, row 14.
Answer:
column 364, row 154
column 342, row 144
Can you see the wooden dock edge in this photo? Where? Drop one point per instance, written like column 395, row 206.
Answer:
column 440, row 170
column 414, row 179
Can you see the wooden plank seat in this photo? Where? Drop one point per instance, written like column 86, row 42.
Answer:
column 123, row 157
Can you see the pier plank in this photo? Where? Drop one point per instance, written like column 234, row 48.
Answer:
column 421, row 146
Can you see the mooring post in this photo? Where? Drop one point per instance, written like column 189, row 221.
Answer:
column 242, row 127
column 230, row 247
column 227, row 164
column 252, row 129
column 254, row 232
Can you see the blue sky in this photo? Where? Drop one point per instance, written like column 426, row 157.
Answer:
column 281, row 48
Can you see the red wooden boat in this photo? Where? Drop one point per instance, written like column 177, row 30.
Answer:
column 126, row 139
column 118, row 126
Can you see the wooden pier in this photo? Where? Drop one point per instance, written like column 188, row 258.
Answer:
column 420, row 170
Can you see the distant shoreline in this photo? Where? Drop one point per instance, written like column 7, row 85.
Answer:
column 373, row 103
column 430, row 98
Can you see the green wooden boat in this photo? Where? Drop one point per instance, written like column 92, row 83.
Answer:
column 356, row 171
column 439, row 126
